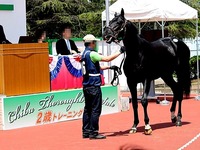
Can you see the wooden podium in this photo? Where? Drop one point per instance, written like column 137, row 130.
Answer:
column 24, row 69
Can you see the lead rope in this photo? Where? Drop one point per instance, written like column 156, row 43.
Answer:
column 117, row 71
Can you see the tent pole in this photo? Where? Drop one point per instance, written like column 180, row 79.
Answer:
column 139, row 27
column 102, row 44
column 197, row 49
column 108, row 45
column 163, row 35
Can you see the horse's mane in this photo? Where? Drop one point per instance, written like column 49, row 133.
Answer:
column 132, row 27
column 134, row 31
column 133, row 39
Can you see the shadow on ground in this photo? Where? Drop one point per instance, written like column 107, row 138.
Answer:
column 141, row 128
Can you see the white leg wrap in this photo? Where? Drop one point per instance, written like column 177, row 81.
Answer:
column 147, row 127
column 134, row 128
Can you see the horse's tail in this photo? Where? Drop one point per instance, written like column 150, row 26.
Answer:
column 183, row 69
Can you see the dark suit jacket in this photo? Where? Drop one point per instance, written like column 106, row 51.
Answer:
column 61, row 47
column 5, row 42
column 3, row 39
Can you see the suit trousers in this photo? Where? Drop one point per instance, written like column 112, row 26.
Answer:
column 92, row 110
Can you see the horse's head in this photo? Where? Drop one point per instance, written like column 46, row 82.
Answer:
column 115, row 30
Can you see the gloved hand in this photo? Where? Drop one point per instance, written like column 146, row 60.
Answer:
column 122, row 49
column 114, row 67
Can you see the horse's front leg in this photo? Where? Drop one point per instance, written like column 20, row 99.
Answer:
column 133, row 90
column 144, row 102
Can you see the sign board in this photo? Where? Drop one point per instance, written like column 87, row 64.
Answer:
column 46, row 108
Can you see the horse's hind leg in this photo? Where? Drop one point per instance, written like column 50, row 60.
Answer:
column 179, row 116
column 178, row 95
column 133, row 90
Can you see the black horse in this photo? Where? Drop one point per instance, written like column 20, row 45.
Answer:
column 146, row 61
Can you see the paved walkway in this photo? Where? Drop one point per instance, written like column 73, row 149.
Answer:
column 67, row 135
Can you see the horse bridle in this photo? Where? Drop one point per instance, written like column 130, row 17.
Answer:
column 118, row 71
column 116, row 33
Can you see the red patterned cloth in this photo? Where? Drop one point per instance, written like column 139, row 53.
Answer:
column 66, row 72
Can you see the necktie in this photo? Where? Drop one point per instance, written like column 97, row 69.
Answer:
column 68, row 45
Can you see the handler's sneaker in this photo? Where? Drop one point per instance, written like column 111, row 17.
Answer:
column 96, row 137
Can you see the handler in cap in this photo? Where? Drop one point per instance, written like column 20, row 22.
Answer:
column 91, row 86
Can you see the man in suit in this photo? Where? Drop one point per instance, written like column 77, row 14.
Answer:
column 3, row 39
column 65, row 46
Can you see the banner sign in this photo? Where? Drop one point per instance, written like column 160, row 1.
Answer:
column 45, row 108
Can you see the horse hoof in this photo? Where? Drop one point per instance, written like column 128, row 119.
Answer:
column 174, row 120
column 178, row 123
column 133, row 130
column 148, row 131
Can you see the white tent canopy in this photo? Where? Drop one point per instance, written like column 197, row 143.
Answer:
column 152, row 10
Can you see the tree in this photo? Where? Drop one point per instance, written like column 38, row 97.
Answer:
column 84, row 16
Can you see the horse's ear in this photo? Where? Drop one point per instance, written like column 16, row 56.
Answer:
column 115, row 14
column 122, row 12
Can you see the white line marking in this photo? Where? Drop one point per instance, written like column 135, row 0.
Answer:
column 190, row 142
